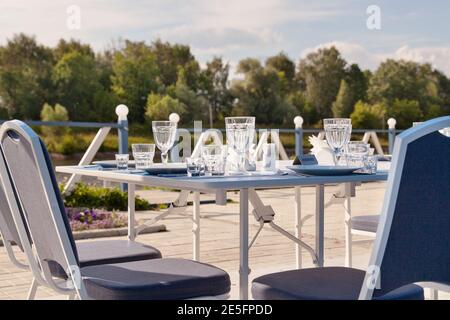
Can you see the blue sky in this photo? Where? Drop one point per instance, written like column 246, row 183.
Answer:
column 235, row 29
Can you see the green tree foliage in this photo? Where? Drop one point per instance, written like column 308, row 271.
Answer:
column 368, row 116
column 405, row 112
column 159, row 107
column 159, row 78
column 260, row 93
column 135, row 76
column 25, row 77
column 214, row 87
column 320, row 73
column 404, row 80
column 343, row 106
column 57, row 139
column 78, row 87
column 170, row 58
column 282, row 64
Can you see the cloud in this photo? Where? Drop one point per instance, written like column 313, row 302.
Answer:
column 438, row 57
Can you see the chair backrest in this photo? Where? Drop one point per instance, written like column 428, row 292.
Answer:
column 7, row 228
column 413, row 236
column 33, row 179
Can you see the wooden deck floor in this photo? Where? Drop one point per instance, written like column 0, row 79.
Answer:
column 220, row 240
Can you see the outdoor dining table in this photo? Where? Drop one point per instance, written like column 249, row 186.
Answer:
column 219, row 185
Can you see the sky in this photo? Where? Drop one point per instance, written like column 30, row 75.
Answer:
column 236, row 29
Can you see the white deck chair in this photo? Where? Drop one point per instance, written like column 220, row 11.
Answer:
column 29, row 185
column 411, row 244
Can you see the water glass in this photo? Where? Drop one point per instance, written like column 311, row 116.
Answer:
column 358, row 147
column 269, row 157
column 370, row 164
column 143, row 154
column 240, row 133
column 337, row 133
column 122, row 161
column 164, row 133
column 194, row 166
column 214, row 157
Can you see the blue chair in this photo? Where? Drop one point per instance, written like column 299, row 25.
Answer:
column 413, row 237
column 40, row 220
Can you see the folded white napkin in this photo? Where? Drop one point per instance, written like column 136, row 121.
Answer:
column 321, row 150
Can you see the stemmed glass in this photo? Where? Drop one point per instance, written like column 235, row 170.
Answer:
column 240, row 134
column 164, row 133
column 337, row 132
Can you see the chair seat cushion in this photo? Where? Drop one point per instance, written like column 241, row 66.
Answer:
column 114, row 251
column 329, row 283
column 366, row 223
column 159, row 279
column 93, row 253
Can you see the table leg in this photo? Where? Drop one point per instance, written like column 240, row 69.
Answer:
column 243, row 250
column 348, row 225
column 298, row 226
column 196, row 226
column 320, row 217
column 131, row 209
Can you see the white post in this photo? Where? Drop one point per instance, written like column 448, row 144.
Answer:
column 131, row 210
column 298, row 121
column 391, row 124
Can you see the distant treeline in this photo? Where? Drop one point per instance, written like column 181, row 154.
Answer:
column 156, row 79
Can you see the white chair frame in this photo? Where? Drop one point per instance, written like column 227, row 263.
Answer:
column 393, row 185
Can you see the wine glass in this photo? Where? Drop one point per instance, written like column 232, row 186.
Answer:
column 337, row 132
column 240, row 134
column 164, row 133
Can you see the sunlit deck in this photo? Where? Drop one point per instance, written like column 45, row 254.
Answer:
column 220, row 237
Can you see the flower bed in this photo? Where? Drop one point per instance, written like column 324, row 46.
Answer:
column 81, row 219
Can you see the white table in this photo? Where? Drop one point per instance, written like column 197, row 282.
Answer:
column 246, row 186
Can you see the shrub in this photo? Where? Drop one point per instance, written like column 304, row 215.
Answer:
column 85, row 196
column 405, row 112
column 368, row 116
column 160, row 107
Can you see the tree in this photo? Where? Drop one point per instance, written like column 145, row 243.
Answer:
column 63, row 47
column 57, row 113
column 285, row 67
column 25, row 77
column 368, row 116
column 261, row 94
column 358, row 82
column 321, row 73
column 405, row 112
column 135, row 76
column 343, row 106
column 404, row 80
column 159, row 107
column 170, row 58
column 196, row 106
column 214, row 87
column 78, row 87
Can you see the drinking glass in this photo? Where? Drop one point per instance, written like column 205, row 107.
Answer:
column 164, row 133
column 214, row 157
column 143, row 154
column 122, row 161
column 269, row 157
column 240, row 134
column 194, row 166
column 358, row 147
column 370, row 164
column 337, row 132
